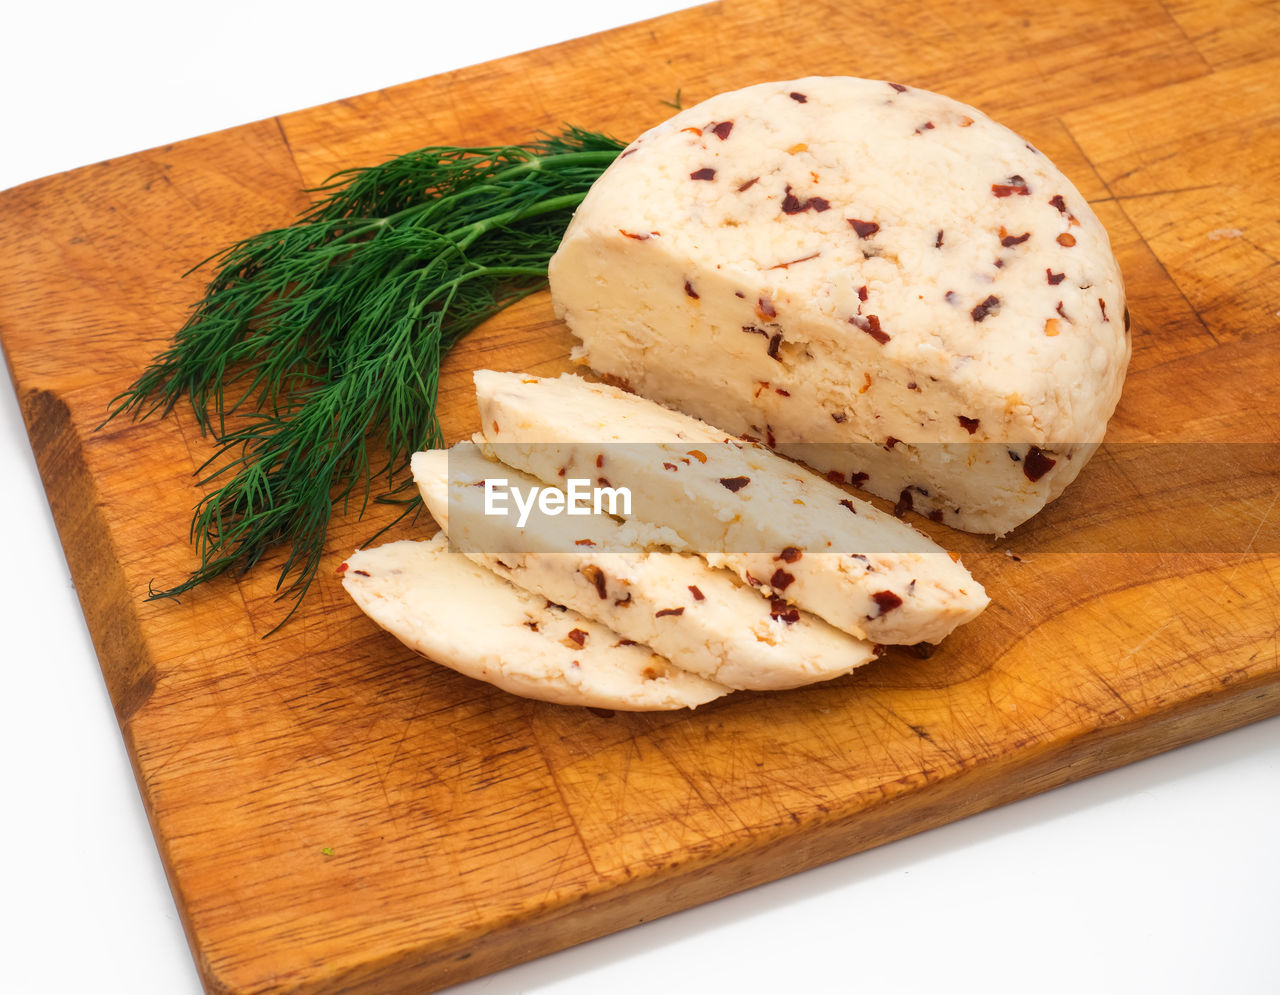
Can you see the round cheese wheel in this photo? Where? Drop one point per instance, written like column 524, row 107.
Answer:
column 873, row 278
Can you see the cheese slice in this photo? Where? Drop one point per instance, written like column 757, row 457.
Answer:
column 703, row 619
column 875, row 279
column 783, row 530
column 465, row 617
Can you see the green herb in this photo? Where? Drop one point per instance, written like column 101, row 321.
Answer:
column 314, row 340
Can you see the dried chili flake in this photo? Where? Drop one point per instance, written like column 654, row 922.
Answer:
column 886, row 601
column 753, row 330
column 668, row 611
column 781, row 580
column 1037, row 463
column 780, row 611
column 970, row 425
column 1013, row 186
column 721, row 130
column 791, row 204
column 934, row 516
column 858, row 479
column 790, row 554
column 532, row 625
column 705, row 173
column 362, row 573
column 905, row 503
column 697, row 594
column 846, row 503
column 871, row 325
column 774, row 342
column 890, row 442
column 578, row 637
column 1057, row 201
column 781, row 393
column 839, row 417
column 670, row 466
column 596, row 576
column 865, row 229
column 1054, row 278
column 835, row 476
column 734, row 484
column 749, row 184
column 898, row 87
column 1102, row 306
column 765, row 308
column 342, row 568
column 623, row 602
column 927, row 126
column 792, row 262
column 799, row 98
column 989, row 306
column 937, row 242
column 1009, row 241
column 583, row 542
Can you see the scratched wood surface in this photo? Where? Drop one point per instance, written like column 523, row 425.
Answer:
column 337, row 814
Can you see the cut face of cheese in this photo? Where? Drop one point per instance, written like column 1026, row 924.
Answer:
column 465, row 617
column 703, row 619
column 869, row 277
column 784, row 531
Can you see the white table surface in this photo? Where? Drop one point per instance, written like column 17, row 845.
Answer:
column 1162, row 877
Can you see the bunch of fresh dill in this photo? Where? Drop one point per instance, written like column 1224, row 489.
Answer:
column 313, row 341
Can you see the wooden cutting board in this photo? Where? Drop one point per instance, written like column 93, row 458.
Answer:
column 337, row 814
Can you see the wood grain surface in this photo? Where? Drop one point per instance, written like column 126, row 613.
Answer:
column 336, row 814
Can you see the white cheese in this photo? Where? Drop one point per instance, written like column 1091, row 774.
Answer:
column 703, row 619
column 465, row 617
column 783, row 530
column 870, row 277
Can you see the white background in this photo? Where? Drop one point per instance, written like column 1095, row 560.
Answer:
column 1161, row 877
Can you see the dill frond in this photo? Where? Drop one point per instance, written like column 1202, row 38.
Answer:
column 313, row 341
